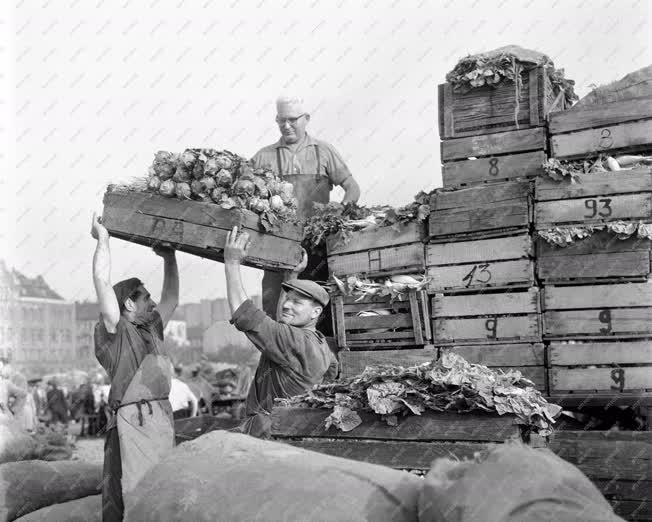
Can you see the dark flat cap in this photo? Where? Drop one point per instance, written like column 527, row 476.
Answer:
column 309, row 289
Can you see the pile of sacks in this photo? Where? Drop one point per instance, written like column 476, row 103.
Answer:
column 226, row 476
column 45, row 444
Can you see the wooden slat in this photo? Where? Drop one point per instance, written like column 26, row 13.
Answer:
column 608, row 379
column 594, row 184
column 487, row 330
column 633, row 510
column 447, row 222
column 417, row 318
column 378, row 237
column 601, row 242
column 625, row 264
column 517, row 354
column 410, row 256
column 623, row 489
column 496, row 143
column 398, row 455
column 309, row 422
column 483, row 275
column 468, row 172
column 597, row 296
column 534, row 99
column 380, row 321
column 600, row 115
column 602, row 139
column 593, row 210
column 446, row 108
column 354, row 363
column 509, row 192
column 366, row 336
column 600, row 353
column 486, row 304
column 397, row 306
column 338, row 321
column 604, row 322
column 266, row 251
column 498, row 249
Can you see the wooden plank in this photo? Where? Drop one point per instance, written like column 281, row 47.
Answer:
column 602, row 139
column 376, row 238
column 468, row 172
column 517, row 354
column 309, row 422
column 594, row 184
column 623, row 489
column 423, row 302
column 625, row 264
column 509, row 192
column 600, row 379
column 447, row 222
column 384, row 334
column 446, row 107
column 534, row 99
column 496, row 143
column 397, row 455
column 597, row 296
column 482, row 275
column 487, row 329
column 484, row 250
column 633, row 510
column 417, row 318
column 207, row 214
column 486, row 304
column 266, row 251
column 613, row 452
column 593, row 210
column 600, row 115
column 410, row 256
column 605, row 322
column 354, row 363
column 380, row 321
column 338, row 321
column 601, row 242
column 600, row 353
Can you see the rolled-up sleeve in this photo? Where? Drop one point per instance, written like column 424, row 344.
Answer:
column 336, row 169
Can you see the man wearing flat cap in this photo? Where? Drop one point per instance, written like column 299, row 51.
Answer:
column 294, row 354
column 313, row 167
column 129, row 346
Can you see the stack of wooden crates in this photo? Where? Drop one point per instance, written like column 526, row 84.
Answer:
column 597, row 292
column 480, row 255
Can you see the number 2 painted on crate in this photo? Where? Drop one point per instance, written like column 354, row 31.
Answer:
column 491, row 325
column 482, row 276
column 493, row 167
column 592, row 206
column 606, row 141
column 605, row 318
column 618, row 376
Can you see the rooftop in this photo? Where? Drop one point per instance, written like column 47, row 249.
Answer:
column 26, row 286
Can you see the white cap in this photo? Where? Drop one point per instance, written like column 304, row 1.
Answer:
column 289, row 107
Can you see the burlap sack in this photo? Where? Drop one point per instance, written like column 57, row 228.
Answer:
column 637, row 84
column 513, row 483
column 233, row 477
column 87, row 509
column 33, row 484
column 15, row 444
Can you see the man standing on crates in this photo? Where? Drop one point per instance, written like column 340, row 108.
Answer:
column 129, row 346
column 313, row 167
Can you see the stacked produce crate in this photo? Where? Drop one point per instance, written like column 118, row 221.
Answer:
column 597, row 294
column 480, row 252
column 377, row 329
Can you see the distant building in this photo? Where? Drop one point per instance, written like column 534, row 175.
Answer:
column 37, row 326
column 87, row 315
column 176, row 332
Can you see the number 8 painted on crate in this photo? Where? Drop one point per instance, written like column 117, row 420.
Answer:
column 606, row 141
column 493, row 167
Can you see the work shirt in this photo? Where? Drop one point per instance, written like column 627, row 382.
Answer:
column 121, row 354
column 306, row 157
column 292, row 359
column 181, row 396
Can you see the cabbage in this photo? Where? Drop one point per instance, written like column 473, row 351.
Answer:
column 209, row 183
column 153, row 183
column 244, row 187
column 224, row 178
column 183, row 191
column 188, row 159
column 223, row 162
column 198, row 170
column 182, row 175
column 276, row 203
column 167, row 188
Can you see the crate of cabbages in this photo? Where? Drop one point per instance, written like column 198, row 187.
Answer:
column 510, row 88
column 192, row 200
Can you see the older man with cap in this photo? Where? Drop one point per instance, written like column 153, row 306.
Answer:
column 129, row 346
column 294, row 354
column 313, row 167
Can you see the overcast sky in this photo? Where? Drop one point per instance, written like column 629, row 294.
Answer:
column 93, row 88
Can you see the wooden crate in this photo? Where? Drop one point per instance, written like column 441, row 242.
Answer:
column 489, row 145
column 505, row 262
column 594, row 198
column 600, row 258
column 198, row 228
column 354, row 363
column 619, row 463
column 601, row 367
column 527, row 358
column 413, row 444
column 624, row 126
column 597, row 311
column 407, row 325
column 479, row 212
column 466, row 173
column 487, row 318
column 381, row 251
column 490, row 109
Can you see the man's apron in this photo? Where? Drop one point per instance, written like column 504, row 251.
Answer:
column 308, row 189
column 144, row 421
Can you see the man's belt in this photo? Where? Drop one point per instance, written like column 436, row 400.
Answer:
column 140, row 403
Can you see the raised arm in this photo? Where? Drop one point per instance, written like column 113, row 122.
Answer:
column 235, row 250
column 102, row 276
column 170, row 292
